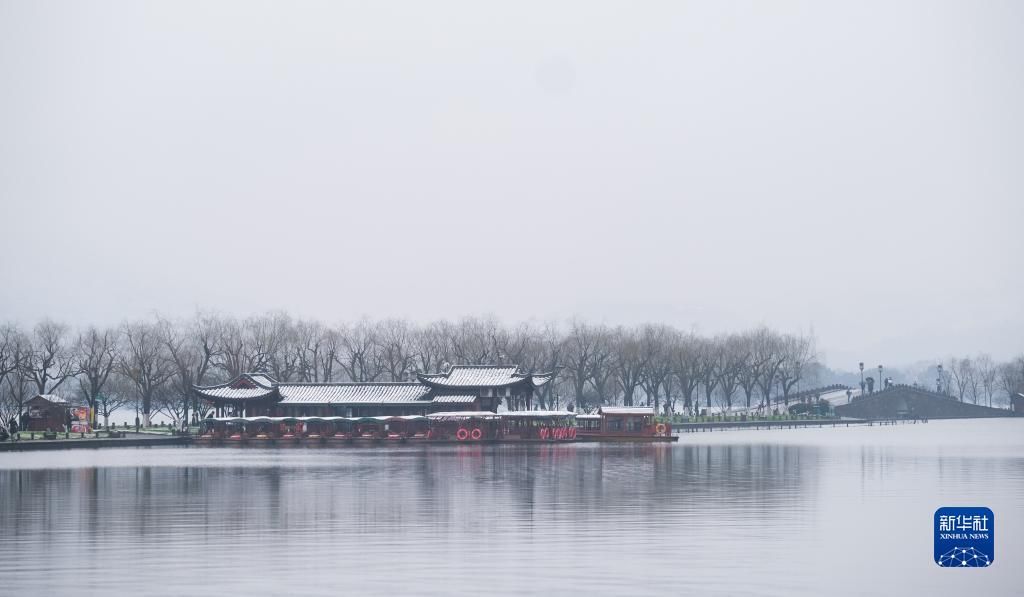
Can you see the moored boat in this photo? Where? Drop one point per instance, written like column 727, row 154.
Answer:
column 623, row 424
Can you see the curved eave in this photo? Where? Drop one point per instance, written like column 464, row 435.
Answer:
column 224, row 393
column 439, row 384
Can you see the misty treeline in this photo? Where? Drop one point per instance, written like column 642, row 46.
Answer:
column 151, row 365
column 981, row 380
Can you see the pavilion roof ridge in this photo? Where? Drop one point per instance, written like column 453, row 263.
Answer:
column 349, row 383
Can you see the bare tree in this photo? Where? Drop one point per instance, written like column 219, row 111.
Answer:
column 118, row 393
column 13, row 353
column 96, row 355
column 189, row 348
column 797, row 354
column 145, row 363
column 474, row 341
column 962, row 373
column 629, row 362
column 732, row 357
column 987, row 376
column 1011, row 377
column 358, row 356
column 769, row 356
column 656, row 375
column 685, row 358
column 50, row 362
column 548, row 358
column 433, row 347
column 396, row 347
column 708, row 371
column 601, row 373
column 582, row 346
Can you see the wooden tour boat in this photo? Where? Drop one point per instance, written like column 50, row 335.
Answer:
column 623, row 424
column 636, row 424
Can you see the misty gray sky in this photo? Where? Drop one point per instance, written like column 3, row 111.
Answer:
column 853, row 170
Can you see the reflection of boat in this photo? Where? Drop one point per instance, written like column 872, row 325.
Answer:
column 623, row 424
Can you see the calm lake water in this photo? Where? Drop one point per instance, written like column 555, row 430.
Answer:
column 804, row 512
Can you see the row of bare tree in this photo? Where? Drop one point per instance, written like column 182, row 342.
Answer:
column 980, row 379
column 151, row 365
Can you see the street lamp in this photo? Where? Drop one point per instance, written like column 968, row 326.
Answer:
column 881, row 383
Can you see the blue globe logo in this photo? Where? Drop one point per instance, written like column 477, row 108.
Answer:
column 961, row 557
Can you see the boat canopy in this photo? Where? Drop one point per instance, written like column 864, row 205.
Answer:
column 226, row 419
column 463, row 414
column 626, row 410
column 516, row 414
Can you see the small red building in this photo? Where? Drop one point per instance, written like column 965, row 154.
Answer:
column 47, row 412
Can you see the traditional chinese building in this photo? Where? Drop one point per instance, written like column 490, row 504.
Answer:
column 461, row 388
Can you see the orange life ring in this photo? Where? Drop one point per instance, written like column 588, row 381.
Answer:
column 462, row 434
column 476, row 433
column 660, row 429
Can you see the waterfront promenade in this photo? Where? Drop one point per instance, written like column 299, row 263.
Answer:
column 76, row 440
column 693, row 427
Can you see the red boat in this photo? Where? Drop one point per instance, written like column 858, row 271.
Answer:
column 623, row 424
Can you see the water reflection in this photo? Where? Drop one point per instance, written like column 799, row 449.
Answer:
column 710, row 517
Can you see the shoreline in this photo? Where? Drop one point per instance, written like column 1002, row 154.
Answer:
column 132, row 441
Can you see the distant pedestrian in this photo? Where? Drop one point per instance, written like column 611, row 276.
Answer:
column 136, row 423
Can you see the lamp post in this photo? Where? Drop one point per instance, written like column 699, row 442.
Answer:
column 881, row 382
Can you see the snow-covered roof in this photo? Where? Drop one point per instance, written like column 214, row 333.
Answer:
column 464, row 414
column 626, row 410
column 261, row 379
column 452, row 387
column 454, row 399
column 536, row 413
column 352, row 393
column 54, row 398
column 588, row 416
column 228, row 393
column 475, row 376
column 539, row 379
column 247, row 386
